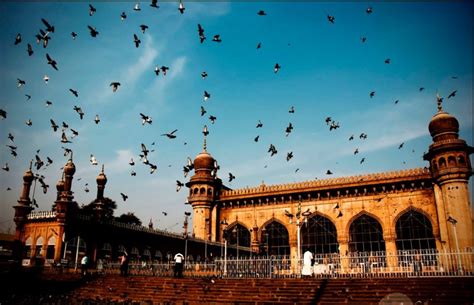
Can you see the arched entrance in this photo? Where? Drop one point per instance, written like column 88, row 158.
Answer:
column 414, row 232
column 239, row 236
column 319, row 235
column 366, row 235
column 276, row 239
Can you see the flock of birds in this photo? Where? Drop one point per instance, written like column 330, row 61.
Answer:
column 45, row 35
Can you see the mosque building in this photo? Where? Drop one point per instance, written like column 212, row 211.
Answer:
column 414, row 209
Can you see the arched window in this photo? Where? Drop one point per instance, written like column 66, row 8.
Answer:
column 27, row 250
column 451, row 161
column 202, row 191
column 239, row 235
column 158, row 255
column 196, row 190
column 209, row 191
column 39, row 246
column 414, row 231
column 461, row 160
column 276, row 239
column 319, row 235
column 51, row 247
column 442, row 162
column 105, row 251
column 365, row 235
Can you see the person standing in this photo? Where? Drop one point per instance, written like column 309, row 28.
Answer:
column 84, row 265
column 307, row 269
column 178, row 265
column 124, row 264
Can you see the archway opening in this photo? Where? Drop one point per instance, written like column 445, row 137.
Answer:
column 239, row 236
column 319, row 235
column 275, row 237
column 414, row 232
column 366, row 235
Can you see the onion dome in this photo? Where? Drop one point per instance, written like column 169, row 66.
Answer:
column 101, row 178
column 443, row 126
column 204, row 161
column 60, row 185
column 69, row 168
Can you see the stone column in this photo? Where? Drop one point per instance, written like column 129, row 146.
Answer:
column 344, row 253
column 391, row 252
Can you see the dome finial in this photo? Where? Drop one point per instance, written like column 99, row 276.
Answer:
column 439, row 100
column 205, row 131
column 31, row 164
column 102, row 169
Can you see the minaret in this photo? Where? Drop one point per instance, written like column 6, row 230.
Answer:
column 65, row 199
column 99, row 205
column 63, row 205
column 202, row 191
column 24, row 203
column 59, row 188
column 450, row 167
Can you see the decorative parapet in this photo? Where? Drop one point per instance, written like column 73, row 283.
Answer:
column 41, row 215
column 318, row 185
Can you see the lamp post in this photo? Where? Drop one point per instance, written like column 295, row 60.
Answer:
column 301, row 218
column 224, row 235
column 236, row 231
column 205, row 238
column 185, row 227
column 454, row 222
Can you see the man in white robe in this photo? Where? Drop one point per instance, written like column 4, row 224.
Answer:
column 307, row 262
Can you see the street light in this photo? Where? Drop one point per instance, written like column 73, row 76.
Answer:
column 301, row 217
column 206, row 237
column 236, row 232
column 185, row 227
column 454, row 222
column 224, row 235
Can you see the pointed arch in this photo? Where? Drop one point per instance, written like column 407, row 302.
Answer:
column 275, row 238
column 319, row 234
column 238, row 234
column 359, row 214
column 414, row 230
column 366, row 234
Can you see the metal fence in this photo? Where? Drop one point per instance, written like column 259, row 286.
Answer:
column 414, row 263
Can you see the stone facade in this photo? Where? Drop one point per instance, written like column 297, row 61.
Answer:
column 439, row 193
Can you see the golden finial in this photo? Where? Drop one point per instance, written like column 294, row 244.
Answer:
column 205, row 131
column 439, row 100
column 102, row 169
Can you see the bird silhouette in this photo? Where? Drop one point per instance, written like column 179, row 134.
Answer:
column 179, row 185
column 143, row 27
column 276, row 68
column 328, row 172
column 217, row 38
column 124, row 197
column 289, row 156
column 231, row 177
column 170, row 135
column 74, row 92
column 30, row 50
column 259, row 124
column 115, row 86
column 452, row 94
column 136, row 40
column 51, row 62
column 18, row 39
column 154, row 3
column 331, row 18
column 261, row 13
column 92, row 10
column 202, row 37
column 181, row 7
column 93, row 31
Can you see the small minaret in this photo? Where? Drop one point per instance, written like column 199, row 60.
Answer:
column 59, row 188
column 202, row 191
column 451, row 168
column 23, row 208
column 99, row 205
column 65, row 200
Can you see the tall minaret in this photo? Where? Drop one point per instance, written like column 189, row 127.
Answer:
column 202, row 191
column 99, row 205
column 24, row 203
column 451, row 168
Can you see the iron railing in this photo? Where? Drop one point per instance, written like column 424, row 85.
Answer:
column 410, row 263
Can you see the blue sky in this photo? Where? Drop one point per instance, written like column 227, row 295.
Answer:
column 326, row 71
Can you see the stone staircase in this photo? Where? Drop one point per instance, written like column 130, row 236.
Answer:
column 190, row 291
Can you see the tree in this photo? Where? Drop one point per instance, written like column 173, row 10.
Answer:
column 105, row 203
column 129, row 218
